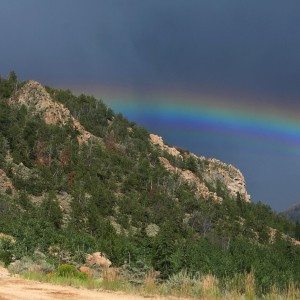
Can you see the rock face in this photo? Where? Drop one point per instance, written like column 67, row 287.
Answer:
column 35, row 97
column 157, row 140
column 227, row 174
column 188, row 176
column 98, row 259
column 214, row 171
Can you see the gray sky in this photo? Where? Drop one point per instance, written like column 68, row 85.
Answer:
column 248, row 46
column 227, row 46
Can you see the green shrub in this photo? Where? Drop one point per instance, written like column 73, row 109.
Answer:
column 27, row 264
column 135, row 273
column 6, row 250
column 66, row 270
column 21, row 266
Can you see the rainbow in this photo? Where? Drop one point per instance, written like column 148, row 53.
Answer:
column 275, row 129
column 193, row 114
column 262, row 140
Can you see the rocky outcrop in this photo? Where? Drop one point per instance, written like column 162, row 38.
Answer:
column 98, row 259
column 213, row 172
column 157, row 140
column 186, row 175
column 20, row 171
column 38, row 101
column 64, row 201
column 229, row 175
column 274, row 232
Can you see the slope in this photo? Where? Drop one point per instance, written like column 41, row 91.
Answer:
column 80, row 178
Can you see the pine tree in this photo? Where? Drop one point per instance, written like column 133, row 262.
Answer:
column 51, row 210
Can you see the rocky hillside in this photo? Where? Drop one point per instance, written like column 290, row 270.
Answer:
column 39, row 103
column 212, row 172
column 78, row 178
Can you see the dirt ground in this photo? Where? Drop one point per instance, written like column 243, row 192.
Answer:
column 16, row 288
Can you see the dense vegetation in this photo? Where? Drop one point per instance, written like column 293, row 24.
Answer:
column 119, row 192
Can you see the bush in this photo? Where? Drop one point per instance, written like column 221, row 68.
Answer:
column 6, row 249
column 66, row 270
column 27, row 264
column 135, row 273
column 180, row 280
column 22, row 265
column 186, row 284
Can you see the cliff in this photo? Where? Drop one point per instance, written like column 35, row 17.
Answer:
column 213, row 171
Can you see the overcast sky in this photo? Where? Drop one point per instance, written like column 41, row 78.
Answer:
column 225, row 46
column 251, row 46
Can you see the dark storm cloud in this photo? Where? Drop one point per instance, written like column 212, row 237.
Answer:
column 250, row 46
column 220, row 46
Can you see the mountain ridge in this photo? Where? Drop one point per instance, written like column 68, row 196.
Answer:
column 35, row 97
column 79, row 178
column 39, row 102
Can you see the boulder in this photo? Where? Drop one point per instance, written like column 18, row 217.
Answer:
column 86, row 270
column 98, row 259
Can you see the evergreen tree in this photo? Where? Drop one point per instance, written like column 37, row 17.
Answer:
column 51, row 211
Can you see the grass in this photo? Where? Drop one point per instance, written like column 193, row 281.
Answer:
column 179, row 285
column 80, row 282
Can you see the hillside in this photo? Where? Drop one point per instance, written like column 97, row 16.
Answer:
column 293, row 213
column 79, row 178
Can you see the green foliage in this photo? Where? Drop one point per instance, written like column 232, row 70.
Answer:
column 66, row 270
column 6, row 250
column 119, row 183
column 51, row 211
column 135, row 272
column 7, row 86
